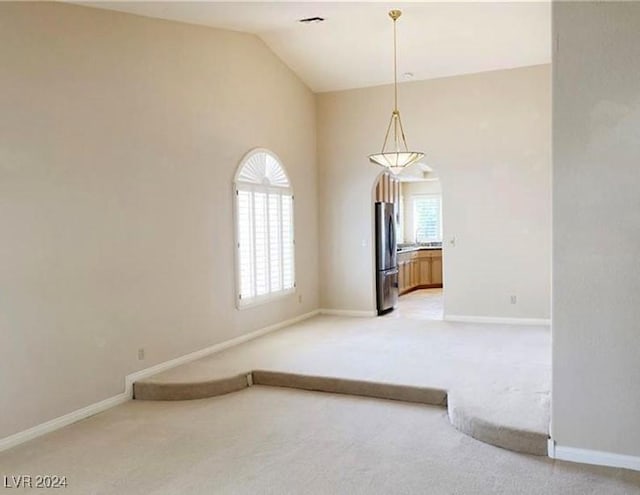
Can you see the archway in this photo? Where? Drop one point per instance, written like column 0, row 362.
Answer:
column 415, row 198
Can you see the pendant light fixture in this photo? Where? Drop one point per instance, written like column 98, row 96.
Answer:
column 399, row 156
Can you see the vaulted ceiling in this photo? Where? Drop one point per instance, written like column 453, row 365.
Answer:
column 353, row 47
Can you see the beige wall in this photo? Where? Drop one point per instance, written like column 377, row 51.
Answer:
column 487, row 136
column 408, row 191
column 596, row 227
column 119, row 138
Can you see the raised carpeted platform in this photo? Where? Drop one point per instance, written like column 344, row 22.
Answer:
column 493, row 379
column 528, row 442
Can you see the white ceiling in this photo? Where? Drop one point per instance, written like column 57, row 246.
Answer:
column 354, row 46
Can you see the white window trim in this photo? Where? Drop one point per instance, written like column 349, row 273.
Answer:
column 239, row 186
column 264, row 298
column 413, row 213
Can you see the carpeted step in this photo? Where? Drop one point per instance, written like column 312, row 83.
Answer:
column 149, row 390
column 518, row 440
column 406, row 393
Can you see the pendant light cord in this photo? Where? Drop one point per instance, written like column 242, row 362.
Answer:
column 395, row 66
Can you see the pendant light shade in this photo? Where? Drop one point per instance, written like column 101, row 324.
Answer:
column 395, row 156
column 395, row 161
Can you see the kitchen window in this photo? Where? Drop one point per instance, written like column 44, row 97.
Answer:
column 264, row 229
column 427, row 218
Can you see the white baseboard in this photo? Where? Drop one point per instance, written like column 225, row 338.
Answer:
column 91, row 409
column 187, row 358
column 497, row 320
column 62, row 421
column 596, row 457
column 348, row 312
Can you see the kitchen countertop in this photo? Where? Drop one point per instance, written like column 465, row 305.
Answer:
column 417, row 248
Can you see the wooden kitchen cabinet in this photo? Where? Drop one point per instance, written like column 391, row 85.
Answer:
column 436, row 270
column 407, row 276
column 425, row 270
column 405, row 273
column 415, row 272
column 419, row 269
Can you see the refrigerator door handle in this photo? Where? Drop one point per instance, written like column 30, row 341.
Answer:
column 392, row 236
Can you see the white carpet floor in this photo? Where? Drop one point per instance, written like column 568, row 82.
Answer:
column 279, row 441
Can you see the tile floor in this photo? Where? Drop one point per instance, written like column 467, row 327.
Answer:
column 423, row 304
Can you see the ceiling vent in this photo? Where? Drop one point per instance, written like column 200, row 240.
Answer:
column 312, row 20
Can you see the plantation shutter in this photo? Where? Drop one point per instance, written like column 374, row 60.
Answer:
column 264, row 213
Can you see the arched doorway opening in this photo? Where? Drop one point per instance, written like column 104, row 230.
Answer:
column 415, row 198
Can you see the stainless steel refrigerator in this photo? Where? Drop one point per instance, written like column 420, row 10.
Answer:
column 386, row 258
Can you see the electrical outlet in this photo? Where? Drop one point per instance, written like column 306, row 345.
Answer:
column 514, row 299
column 299, row 298
column 141, row 354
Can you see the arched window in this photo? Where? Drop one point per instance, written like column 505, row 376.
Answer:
column 264, row 229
